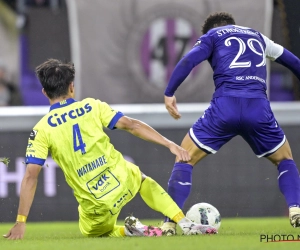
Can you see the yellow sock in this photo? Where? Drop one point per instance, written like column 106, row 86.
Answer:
column 118, row 231
column 158, row 199
column 178, row 217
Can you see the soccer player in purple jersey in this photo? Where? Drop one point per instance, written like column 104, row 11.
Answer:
column 237, row 56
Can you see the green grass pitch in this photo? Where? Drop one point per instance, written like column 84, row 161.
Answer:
column 234, row 234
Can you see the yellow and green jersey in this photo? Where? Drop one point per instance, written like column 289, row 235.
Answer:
column 73, row 133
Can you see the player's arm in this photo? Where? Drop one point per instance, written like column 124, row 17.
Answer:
column 28, row 188
column 145, row 132
column 279, row 54
column 289, row 60
column 200, row 52
column 37, row 143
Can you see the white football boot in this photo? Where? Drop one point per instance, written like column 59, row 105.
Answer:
column 169, row 228
column 133, row 227
column 190, row 228
column 294, row 215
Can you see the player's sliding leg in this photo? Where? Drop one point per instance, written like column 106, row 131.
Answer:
column 157, row 198
column 102, row 225
column 288, row 181
column 180, row 182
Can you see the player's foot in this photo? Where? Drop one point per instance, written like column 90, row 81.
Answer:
column 294, row 215
column 168, row 228
column 133, row 227
column 189, row 228
column 199, row 229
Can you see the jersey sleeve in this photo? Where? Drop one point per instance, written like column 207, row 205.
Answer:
column 200, row 52
column 279, row 54
column 273, row 50
column 108, row 116
column 37, row 147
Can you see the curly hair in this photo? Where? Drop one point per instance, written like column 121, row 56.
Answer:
column 217, row 19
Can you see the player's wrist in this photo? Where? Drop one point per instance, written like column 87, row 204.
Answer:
column 170, row 144
column 21, row 218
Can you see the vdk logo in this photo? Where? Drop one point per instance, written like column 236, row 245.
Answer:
column 100, row 182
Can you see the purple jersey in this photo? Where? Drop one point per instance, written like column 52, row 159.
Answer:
column 239, row 106
column 237, row 56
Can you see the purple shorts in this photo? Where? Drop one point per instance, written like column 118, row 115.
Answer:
column 226, row 117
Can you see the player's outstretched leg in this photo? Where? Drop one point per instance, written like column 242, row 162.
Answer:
column 133, row 227
column 289, row 185
column 158, row 199
column 179, row 188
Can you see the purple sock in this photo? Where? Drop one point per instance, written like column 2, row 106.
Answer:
column 289, row 182
column 180, row 184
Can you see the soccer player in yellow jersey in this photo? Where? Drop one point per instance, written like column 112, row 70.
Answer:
column 102, row 180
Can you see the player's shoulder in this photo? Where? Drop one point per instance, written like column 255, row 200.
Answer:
column 40, row 127
column 88, row 100
column 91, row 100
column 242, row 27
column 95, row 104
column 41, row 124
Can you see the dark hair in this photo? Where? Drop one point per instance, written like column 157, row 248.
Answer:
column 55, row 77
column 217, row 19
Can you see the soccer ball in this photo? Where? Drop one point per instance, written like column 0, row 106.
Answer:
column 205, row 214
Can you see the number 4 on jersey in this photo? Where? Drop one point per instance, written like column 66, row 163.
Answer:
column 77, row 137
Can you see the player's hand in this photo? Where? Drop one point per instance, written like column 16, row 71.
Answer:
column 171, row 106
column 16, row 232
column 181, row 154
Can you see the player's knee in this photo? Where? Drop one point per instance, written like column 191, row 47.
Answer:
column 277, row 161
column 193, row 161
column 283, row 153
column 287, row 158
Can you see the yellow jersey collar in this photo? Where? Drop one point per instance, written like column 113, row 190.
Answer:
column 62, row 103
